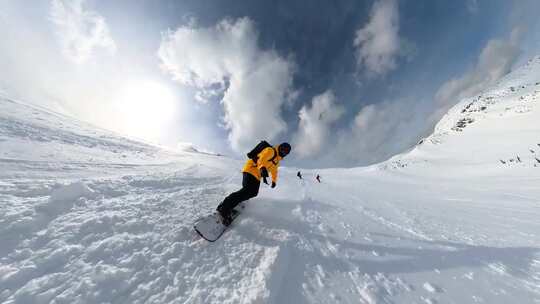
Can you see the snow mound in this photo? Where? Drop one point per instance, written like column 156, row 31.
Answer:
column 71, row 192
column 64, row 197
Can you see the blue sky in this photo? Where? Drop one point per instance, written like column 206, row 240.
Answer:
column 346, row 82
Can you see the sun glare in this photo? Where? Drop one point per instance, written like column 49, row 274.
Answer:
column 145, row 109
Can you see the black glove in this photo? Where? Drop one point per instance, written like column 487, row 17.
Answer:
column 264, row 172
column 273, row 185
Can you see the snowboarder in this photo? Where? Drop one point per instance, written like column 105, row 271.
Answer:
column 318, row 178
column 262, row 159
column 299, row 175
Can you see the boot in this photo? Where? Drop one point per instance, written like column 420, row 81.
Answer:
column 225, row 215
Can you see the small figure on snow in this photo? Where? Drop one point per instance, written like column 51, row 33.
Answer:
column 262, row 159
column 299, row 175
column 318, row 178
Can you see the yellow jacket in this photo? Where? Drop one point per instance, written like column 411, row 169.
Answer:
column 268, row 158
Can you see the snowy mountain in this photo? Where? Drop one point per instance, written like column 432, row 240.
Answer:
column 88, row 216
column 498, row 126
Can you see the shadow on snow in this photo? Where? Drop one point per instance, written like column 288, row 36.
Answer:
column 415, row 256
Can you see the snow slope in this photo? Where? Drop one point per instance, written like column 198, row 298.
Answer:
column 87, row 216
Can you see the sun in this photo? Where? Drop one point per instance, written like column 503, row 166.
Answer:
column 145, row 109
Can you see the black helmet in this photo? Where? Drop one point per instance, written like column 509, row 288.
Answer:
column 284, row 149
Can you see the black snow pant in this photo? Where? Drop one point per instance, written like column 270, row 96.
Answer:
column 250, row 188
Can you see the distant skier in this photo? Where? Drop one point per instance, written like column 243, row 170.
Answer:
column 299, row 175
column 262, row 159
column 318, row 178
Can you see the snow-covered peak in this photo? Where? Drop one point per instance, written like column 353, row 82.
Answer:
column 493, row 130
column 523, row 83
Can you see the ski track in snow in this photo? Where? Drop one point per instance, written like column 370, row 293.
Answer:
column 90, row 217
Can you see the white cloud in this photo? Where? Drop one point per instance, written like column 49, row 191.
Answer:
column 81, row 31
column 369, row 136
column 377, row 43
column 364, row 118
column 255, row 83
column 315, row 123
column 377, row 132
column 495, row 61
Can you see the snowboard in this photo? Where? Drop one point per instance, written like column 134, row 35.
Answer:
column 210, row 228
